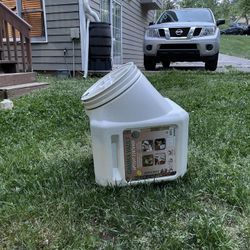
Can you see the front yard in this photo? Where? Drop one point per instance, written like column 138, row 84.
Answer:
column 49, row 199
column 235, row 45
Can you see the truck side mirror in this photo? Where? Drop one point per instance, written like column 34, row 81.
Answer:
column 220, row 21
column 151, row 23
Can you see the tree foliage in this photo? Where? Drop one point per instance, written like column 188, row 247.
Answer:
column 244, row 9
column 211, row 4
column 231, row 10
column 168, row 4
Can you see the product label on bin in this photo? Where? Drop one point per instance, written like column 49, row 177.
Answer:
column 150, row 152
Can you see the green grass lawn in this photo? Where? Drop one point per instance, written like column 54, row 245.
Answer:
column 48, row 195
column 235, row 45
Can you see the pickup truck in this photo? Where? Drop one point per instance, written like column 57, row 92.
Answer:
column 189, row 34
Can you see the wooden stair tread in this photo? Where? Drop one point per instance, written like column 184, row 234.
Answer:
column 16, row 74
column 8, row 62
column 7, row 92
column 25, row 85
column 17, row 78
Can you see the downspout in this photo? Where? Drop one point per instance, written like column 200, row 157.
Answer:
column 89, row 11
column 87, row 14
column 82, row 18
column 86, row 49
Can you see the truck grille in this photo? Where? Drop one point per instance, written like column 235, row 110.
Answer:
column 178, row 46
column 162, row 32
column 197, row 32
column 178, row 32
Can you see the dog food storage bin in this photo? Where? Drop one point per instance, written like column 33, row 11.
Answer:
column 137, row 135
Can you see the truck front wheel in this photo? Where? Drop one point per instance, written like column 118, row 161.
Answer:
column 165, row 64
column 212, row 63
column 149, row 62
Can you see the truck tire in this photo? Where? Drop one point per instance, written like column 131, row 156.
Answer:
column 211, row 65
column 149, row 62
column 165, row 63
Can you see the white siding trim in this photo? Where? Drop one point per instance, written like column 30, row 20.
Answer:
column 82, row 29
column 45, row 22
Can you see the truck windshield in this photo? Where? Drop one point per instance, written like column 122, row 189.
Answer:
column 186, row 15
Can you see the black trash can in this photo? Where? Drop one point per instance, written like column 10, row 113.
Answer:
column 100, row 44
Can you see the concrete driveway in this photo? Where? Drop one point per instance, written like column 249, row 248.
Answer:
column 225, row 62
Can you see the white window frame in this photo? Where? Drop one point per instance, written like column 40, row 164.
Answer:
column 110, row 10
column 111, row 22
column 120, row 3
column 43, row 39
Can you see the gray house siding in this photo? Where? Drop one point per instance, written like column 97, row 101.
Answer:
column 96, row 5
column 134, row 21
column 62, row 15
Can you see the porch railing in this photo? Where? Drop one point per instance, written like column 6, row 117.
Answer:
column 15, row 46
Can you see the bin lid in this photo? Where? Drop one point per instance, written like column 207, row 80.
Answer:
column 111, row 86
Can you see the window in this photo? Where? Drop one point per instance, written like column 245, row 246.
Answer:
column 32, row 11
column 195, row 15
column 105, row 11
column 117, row 32
column 11, row 4
column 116, row 21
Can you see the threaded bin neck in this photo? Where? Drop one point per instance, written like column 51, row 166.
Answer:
column 110, row 86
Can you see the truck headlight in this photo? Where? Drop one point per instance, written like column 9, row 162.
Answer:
column 152, row 33
column 208, row 31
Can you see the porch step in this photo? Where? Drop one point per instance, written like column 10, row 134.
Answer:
column 17, row 78
column 7, row 92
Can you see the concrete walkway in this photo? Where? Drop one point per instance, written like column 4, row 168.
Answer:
column 225, row 62
column 235, row 62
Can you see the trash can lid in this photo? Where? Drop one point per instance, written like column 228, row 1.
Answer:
column 111, row 86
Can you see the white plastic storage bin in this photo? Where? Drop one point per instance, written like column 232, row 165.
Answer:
column 138, row 136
